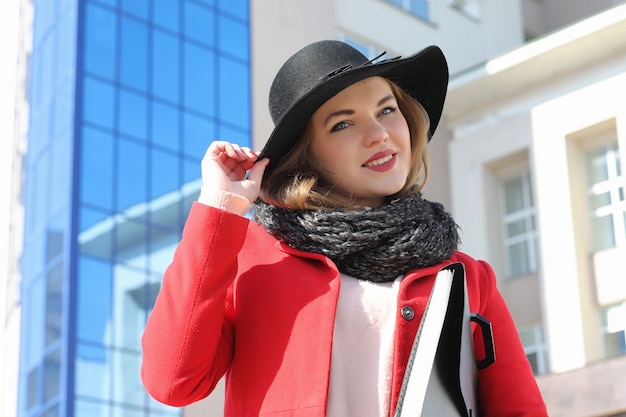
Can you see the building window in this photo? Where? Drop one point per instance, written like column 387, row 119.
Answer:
column 614, row 330
column 471, row 8
column 535, row 348
column 420, row 8
column 369, row 51
column 606, row 197
column 520, row 236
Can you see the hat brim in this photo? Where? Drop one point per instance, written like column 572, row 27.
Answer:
column 423, row 75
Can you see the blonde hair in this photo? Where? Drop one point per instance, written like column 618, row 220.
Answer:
column 297, row 184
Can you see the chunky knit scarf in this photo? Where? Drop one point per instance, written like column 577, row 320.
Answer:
column 377, row 244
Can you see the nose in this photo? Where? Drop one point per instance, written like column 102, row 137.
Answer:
column 375, row 133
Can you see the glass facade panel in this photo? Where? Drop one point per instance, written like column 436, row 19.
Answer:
column 166, row 14
column 138, row 8
column 93, row 377
column 127, row 387
column 32, row 396
column 131, row 174
column 232, row 39
column 65, row 56
column 131, row 243
column 100, row 41
column 238, row 8
column 54, row 305
column 165, row 66
column 197, row 131
column 165, row 126
column 233, row 92
column 39, row 193
column 98, row 103
column 52, row 374
column 55, row 237
column 199, row 23
column 59, row 176
column 93, row 312
column 199, row 91
column 54, row 411
column 133, row 114
column 96, row 168
column 62, row 113
column 87, row 408
column 33, row 316
column 164, row 177
column 134, row 54
column 155, row 84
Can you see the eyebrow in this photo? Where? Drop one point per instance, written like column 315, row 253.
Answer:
column 348, row 112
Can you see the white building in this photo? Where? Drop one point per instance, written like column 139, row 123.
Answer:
column 537, row 136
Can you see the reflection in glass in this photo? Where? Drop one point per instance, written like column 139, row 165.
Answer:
column 133, row 114
column 133, row 71
column 199, row 72
column 131, row 174
column 93, row 319
column 92, row 373
column 52, row 375
column 96, row 168
column 100, row 41
column 99, row 108
column 199, row 23
column 54, row 304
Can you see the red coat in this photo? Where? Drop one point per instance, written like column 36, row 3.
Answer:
column 237, row 301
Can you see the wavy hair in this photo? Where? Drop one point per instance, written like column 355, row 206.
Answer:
column 296, row 182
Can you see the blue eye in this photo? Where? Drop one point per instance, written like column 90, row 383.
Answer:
column 339, row 126
column 388, row 110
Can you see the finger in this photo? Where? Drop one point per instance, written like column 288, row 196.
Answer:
column 258, row 169
column 224, row 150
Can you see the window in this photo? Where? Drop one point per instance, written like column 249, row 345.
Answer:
column 520, row 236
column 420, row 8
column 606, row 197
column 614, row 330
column 470, row 8
column 535, row 348
column 368, row 50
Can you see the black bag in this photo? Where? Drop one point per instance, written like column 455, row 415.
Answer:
column 441, row 375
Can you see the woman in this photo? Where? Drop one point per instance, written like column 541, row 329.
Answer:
column 312, row 309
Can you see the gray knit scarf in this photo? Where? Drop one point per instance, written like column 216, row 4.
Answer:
column 377, row 244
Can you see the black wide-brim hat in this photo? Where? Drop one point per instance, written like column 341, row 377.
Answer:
column 322, row 69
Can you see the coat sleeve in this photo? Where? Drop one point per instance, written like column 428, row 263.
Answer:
column 508, row 386
column 188, row 339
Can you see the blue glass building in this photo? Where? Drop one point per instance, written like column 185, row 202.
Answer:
column 125, row 96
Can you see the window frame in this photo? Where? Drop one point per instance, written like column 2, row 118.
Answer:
column 529, row 216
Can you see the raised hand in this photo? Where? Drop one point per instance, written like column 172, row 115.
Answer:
column 225, row 165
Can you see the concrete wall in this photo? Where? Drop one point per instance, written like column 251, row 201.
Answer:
column 596, row 390
column 466, row 41
column 279, row 28
column 541, row 17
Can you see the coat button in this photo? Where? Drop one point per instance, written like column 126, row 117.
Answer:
column 408, row 313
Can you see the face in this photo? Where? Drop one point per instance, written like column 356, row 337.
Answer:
column 362, row 142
